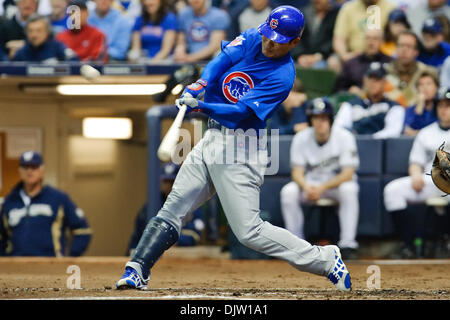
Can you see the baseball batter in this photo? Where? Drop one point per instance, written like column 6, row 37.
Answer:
column 242, row 87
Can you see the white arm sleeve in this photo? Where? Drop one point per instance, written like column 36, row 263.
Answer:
column 393, row 123
column 297, row 157
column 343, row 117
column 349, row 156
column 417, row 154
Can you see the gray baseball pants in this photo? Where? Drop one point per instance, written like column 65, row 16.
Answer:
column 233, row 165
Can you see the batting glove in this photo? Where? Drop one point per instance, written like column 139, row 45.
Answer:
column 196, row 89
column 191, row 103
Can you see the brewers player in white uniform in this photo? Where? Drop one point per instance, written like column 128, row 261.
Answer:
column 324, row 159
column 242, row 87
column 418, row 186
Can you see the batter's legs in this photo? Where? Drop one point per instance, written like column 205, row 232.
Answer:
column 238, row 189
column 191, row 188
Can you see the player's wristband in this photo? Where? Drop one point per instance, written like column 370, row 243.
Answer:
column 198, row 85
column 204, row 83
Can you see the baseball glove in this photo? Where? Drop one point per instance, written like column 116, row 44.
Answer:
column 440, row 171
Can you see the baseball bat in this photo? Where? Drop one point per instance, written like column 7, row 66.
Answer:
column 170, row 140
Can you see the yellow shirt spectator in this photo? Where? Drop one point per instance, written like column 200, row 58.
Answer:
column 353, row 19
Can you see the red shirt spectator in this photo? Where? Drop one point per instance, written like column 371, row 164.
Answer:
column 88, row 42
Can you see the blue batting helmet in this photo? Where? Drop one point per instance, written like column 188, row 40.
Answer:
column 283, row 24
column 319, row 106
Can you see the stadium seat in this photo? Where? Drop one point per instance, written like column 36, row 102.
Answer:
column 396, row 155
column 370, row 153
column 317, row 82
column 284, row 146
column 371, row 206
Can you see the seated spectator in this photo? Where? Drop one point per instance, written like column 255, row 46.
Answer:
column 201, row 31
column 445, row 73
column 351, row 77
column 131, row 9
column 88, row 42
column 316, row 44
column 431, row 8
column 434, row 50
column 351, row 23
column 418, row 186
column 12, row 33
column 255, row 14
column 115, row 26
column 404, row 70
column 193, row 226
column 423, row 113
column 324, row 160
column 154, row 32
column 35, row 216
column 373, row 113
column 290, row 117
column 40, row 45
column 58, row 17
column 397, row 23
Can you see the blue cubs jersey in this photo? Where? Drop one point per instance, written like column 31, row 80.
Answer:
column 260, row 83
column 36, row 226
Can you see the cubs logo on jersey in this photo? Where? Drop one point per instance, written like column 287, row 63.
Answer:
column 199, row 31
column 236, row 85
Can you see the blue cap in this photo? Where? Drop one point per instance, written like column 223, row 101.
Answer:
column 31, row 158
column 283, row 24
column 169, row 171
column 432, row 26
column 397, row 15
column 375, row 69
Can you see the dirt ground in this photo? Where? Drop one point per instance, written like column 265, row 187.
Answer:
column 179, row 277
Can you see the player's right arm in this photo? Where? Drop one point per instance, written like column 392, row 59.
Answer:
column 417, row 161
column 298, row 176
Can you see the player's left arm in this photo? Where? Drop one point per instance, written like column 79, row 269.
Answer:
column 393, row 123
column 348, row 161
column 226, row 114
column 75, row 220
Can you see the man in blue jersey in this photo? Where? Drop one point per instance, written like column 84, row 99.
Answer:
column 35, row 217
column 242, row 87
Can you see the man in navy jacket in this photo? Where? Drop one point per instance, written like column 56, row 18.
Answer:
column 35, row 217
column 41, row 46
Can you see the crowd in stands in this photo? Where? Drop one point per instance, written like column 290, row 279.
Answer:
column 408, row 38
